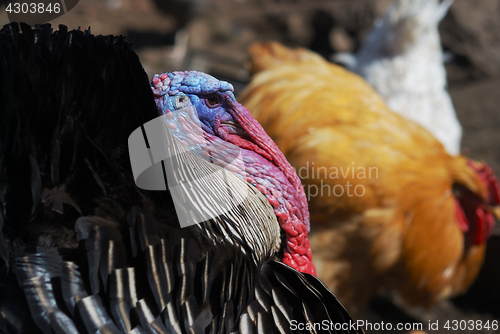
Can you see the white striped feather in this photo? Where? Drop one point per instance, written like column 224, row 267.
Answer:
column 201, row 187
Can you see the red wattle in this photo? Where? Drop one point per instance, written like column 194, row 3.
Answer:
column 461, row 218
column 243, row 143
column 301, row 263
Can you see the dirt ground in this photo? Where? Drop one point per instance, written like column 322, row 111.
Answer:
column 219, row 32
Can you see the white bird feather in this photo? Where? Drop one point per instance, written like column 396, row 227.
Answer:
column 403, row 60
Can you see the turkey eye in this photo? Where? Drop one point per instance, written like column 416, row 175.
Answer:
column 212, row 101
column 181, row 101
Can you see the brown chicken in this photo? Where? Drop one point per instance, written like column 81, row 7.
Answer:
column 390, row 208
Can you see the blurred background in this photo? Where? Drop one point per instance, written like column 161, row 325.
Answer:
column 214, row 35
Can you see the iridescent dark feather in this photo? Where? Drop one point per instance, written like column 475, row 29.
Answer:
column 82, row 249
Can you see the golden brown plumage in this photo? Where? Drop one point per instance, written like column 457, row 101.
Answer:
column 382, row 190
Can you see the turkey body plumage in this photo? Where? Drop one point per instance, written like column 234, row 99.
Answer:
column 82, row 249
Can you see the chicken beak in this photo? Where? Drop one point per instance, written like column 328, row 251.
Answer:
column 495, row 210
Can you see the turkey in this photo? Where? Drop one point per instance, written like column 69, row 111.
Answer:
column 85, row 250
column 403, row 60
